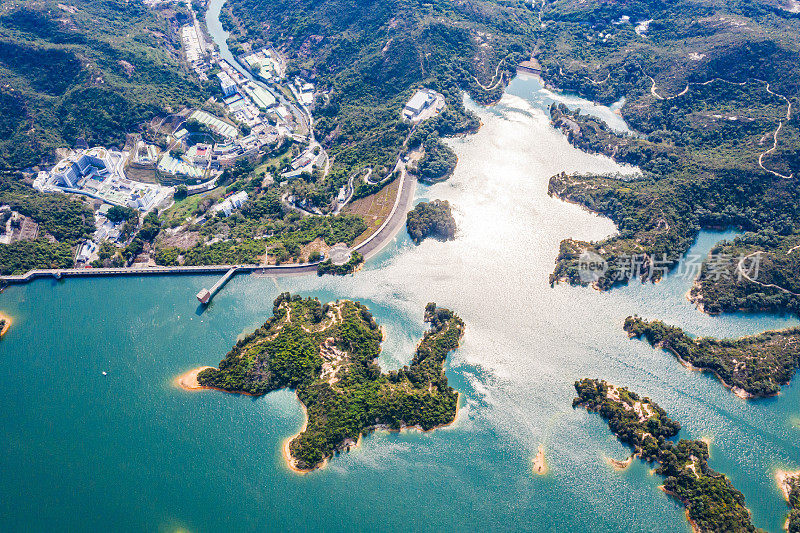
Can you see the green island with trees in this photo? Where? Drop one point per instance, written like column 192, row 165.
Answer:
column 712, row 503
column 752, row 366
column 327, row 354
column 431, row 219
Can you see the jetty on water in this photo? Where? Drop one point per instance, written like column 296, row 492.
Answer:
column 205, row 295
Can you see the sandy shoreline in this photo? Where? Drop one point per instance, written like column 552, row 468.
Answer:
column 188, row 380
column 291, row 462
column 621, row 465
column 539, row 462
column 782, row 477
column 8, row 320
column 692, row 523
column 738, row 391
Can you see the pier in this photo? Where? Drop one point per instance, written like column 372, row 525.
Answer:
column 205, row 295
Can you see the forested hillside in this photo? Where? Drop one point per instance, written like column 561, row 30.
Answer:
column 92, row 69
column 370, row 56
column 711, row 91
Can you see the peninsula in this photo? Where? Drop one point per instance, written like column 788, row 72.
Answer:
column 789, row 482
column 327, row 353
column 751, row 367
column 712, row 502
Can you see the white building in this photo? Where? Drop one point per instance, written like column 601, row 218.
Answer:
column 87, row 250
column 232, row 202
column 418, row 103
column 425, row 103
column 70, row 171
column 228, row 85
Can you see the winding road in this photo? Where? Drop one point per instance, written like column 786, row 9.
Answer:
column 777, row 132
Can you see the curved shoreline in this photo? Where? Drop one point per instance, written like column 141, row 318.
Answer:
column 291, row 462
column 621, row 465
column 782, row 477
column 188, row 382
column 7, row 325
column 692, row 523
column 736, row 390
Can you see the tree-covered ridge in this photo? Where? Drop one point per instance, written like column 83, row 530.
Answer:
column 369, row 57
column 764, row 275
column 751, row 366
column 713, row 504
column 327, row 353
column 792, row 481
column 92, row 70
column 711, row 94
column 431, row 219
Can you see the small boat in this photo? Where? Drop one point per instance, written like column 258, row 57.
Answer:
column 105, row 373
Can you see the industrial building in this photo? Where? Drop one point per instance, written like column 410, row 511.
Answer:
column 425, row 104
column 69, row 172
column 98, row 173
column 217, row 125
column 227, row 84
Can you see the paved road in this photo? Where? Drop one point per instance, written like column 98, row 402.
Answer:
column 368, row 248
column 396, row 219
column 281, row 270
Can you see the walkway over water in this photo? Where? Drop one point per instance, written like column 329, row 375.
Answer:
column 206, row 295
column 277, row 270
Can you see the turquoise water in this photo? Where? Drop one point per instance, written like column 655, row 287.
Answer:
column 128, row 451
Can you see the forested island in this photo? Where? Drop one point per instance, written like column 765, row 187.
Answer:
column 752, row 366
column 327, row 354
column 712, row 503
column 431, row 219
column 5, row 323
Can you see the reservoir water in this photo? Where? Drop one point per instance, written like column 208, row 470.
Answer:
column 128, row 451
